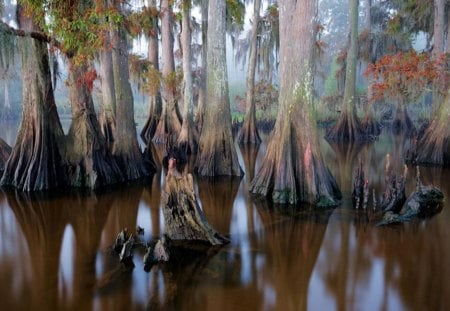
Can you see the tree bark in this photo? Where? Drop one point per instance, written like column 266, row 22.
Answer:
column 217, row 152
column 188, row 139
column 249, row 132
column 5, row 152
column 35, row 162
column 155, row 99
column 293, row 169
column 348, row 127
column 126, row 148
column 183, row 217
column 107, row 115
column 90, row 163
column 169, row 123
column 199, row 117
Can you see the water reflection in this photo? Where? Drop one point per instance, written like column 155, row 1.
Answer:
column 55, row 250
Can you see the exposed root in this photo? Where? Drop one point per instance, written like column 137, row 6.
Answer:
column 5, row 152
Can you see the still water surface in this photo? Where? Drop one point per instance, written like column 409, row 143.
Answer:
column 55, row 248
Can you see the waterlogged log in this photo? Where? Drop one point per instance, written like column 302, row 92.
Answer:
column 5, row 152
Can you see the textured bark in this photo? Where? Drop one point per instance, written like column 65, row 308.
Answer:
column 35, row 162
column 348, row 127
column 217, row 152
column 90, row 163
column 188, row 139
column 155, row 99
column 169, row 123
column 183, row 217
column 199, row 117
column 249, row 132
column 107, row 115
column 435, row 143
column 439, row 27
column 5, row 152
column 293, row 169
column 126, row 148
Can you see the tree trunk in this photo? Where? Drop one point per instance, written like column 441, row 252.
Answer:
column 5, row 152
column 348, row 127
column 90, row 163
column 217, row 152
column 199, row 117
column 35, row 162
column 249, row 132
column 155, row 99
column 6, row 113
column 107, row 115
column 293, row 169
column 188, row 139
column 126, row 148
column 402, row 122
column 439, row 27
column 435, row 143
column 169, row 123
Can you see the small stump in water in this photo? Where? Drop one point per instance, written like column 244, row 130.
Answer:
column 183, row 218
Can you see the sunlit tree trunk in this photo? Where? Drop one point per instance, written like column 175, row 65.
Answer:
column 169, row 123
column 35, row 162
column 348, row 127
column 293, row 169
column 126, row 148
column 249, row 132
column 155, row 99
column 202, row 89
column 188, row 139
column 217, row 155
column 90, row 163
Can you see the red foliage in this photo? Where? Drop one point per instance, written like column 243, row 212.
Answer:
column 88, row 79
column 406, row 75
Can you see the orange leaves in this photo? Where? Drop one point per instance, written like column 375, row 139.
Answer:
column 404, row 76
column 88, row 79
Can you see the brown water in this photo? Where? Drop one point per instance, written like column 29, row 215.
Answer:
column 54, row 249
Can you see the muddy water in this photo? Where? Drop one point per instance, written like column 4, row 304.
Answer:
column 55, row 248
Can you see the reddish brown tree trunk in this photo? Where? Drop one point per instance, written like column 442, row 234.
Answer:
column 155, row 99
column 169, row 123
column 90, row 163
column 293, row 169
column 35, row 162
column 126, row 148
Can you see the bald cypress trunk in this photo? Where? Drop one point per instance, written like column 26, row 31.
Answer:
column 169, row 123
column 107, row 114
column 154, row 99
column 217, row 152
column 293, row 169
column 438, row 42
column 188, row 139
column 126, row 148
column 35, row 162
column 249, row 132
column 90, row 163
column 5, row 152
column 348, row 127
column 199, row 117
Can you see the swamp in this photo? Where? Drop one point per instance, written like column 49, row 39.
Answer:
column 224, row 155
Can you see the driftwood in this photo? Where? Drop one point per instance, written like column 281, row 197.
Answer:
column 425, row 201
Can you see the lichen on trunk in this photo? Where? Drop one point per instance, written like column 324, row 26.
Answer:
column 126, row 148
column 90, row 163
column 217, row 155
column 35, row 162
column 293, row 169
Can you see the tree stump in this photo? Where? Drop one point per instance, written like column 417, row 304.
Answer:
column 183, row 217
